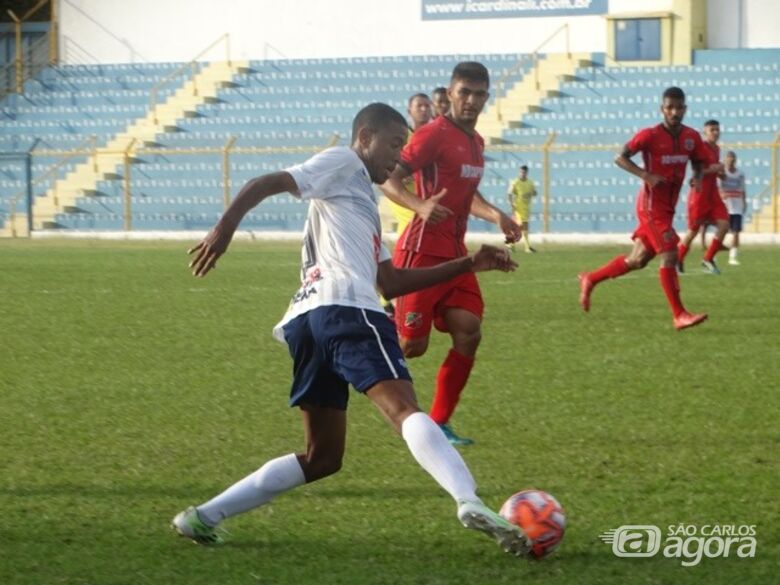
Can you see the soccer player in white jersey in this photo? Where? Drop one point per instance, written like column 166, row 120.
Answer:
column 732, row 190
column 337, row 332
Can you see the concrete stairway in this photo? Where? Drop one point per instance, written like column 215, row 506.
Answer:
column 525, row 96
column 108, row 161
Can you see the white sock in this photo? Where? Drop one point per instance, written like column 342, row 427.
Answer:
column 435, row 455
column 256, row 489
column 733, row 251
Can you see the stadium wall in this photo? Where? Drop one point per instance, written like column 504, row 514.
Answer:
column 96, row 31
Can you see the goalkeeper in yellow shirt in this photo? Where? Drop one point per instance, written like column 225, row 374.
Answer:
column 520, row 193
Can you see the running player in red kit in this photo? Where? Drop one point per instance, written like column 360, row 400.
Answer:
column 705, row 205
column 666, row 150
column 446, row 158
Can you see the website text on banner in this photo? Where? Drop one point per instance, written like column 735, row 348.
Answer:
column 463, row 9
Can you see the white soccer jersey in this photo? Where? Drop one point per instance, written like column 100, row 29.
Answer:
column 732, row 185
column 342, row 241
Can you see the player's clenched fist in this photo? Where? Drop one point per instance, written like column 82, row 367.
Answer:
column 492, row 258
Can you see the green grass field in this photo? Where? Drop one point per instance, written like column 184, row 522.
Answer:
column 129, row 390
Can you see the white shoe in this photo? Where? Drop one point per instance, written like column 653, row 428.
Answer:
column 733, row 261
column 510, row 537
column 189, row 524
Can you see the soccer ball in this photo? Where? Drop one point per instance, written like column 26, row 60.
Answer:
column 540, row 516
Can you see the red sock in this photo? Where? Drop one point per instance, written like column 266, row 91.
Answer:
column 451, row 379
column 614, row 268
column 715, row 247
column 682, row 251
column 671, row 286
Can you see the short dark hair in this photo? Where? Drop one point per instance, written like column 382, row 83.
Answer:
column 712, row 123
column 440, row 90
column 376, row 116
column 470, row 71
column 524, row 168
column 674, row 93
column 417, row 95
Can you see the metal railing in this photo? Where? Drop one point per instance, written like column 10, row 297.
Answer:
column 547, row 153
column 193, row 65
column 40, row 53
column 533, row 56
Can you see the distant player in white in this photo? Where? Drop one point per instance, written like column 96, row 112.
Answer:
column 732, row 190
column 337, row 332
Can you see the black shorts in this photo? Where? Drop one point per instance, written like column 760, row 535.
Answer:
column 334, row 346
column 735, row 222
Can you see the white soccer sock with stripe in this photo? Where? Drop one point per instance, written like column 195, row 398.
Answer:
column 435, row 455
column 275, row 477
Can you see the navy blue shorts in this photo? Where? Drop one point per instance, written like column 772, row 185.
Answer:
column 335, row 346
column 735, row 223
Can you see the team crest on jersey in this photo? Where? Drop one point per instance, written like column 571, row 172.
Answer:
column 689, row 144
column 413, row 320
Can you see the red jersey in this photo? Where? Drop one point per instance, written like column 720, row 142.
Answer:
column 442, row 155
column 667, row 156
column 709, row 182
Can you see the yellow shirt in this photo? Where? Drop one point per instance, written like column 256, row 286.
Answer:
column 520, row 194
column 402, row 214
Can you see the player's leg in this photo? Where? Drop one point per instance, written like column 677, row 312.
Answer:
column 685, row 243
column 615, row 268
column 716, row 245
column 735, row 226
column 396, row 400
column 670, row 283
column 325, row 430
column 526, row 235
column 465, row 329
column 460, row 314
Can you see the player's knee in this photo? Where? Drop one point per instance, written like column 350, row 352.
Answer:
column 468, row 341
column 413, row 348
column 321, row 465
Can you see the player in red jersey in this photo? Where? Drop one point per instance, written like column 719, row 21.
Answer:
column 446, row 158
column 666, row 150
column 705, row 205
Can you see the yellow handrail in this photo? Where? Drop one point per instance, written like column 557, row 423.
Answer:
column 534, row 56
column 128, row 204
column 226, row 170
column 67, row 155
column 535, row 52
column 546, row 180
column 192, row 64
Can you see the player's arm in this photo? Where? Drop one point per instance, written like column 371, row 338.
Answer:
column 510, row 198
column 623, row 160
column 482, row 209
column 394, row 282
column 428, row 209
column 216, row 242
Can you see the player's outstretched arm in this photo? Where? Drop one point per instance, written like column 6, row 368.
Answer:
column 216, row 242
column 394, row 282
column 482, row 209
column 428, row 209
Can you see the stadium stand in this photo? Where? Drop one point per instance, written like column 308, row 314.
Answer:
column 310, row 103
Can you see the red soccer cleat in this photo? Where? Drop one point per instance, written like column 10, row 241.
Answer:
column 586, row 287
column 686, row 319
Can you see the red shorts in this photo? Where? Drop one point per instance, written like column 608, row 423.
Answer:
column 656, row 232
column 704, row 209
column 417, row 311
